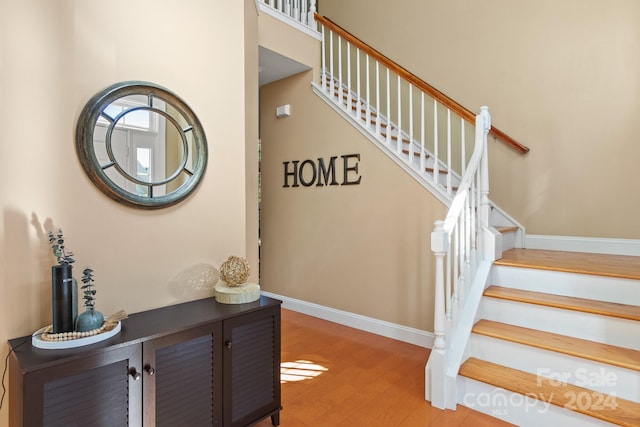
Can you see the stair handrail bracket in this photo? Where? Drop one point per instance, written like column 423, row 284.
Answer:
column 460, row 243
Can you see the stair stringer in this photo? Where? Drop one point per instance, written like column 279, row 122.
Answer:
column 456, row 346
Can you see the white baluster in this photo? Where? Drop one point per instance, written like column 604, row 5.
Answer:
column 339, row 88
column 447, row 282
column 304, row 13
column 463, row 156
column 436, row 159
column 358, row 113
column 476, row 204
column 368, row 89
column 349, row 78
column 467, row 241
column 422, row 141
column 331, row 87
column 410, row 124
column 449, row 165
column 312, row 11
column 378, row 98
column 388, row 109
column 324, row 59
column 461, row 257
column 474, row 221
column 456, row 268
column 399, row 124
column 439, row 246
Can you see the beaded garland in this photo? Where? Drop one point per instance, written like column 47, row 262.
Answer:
column 108, row 325
column 66, row 336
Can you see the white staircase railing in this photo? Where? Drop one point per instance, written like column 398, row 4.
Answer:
column 301, row 11
column 460, row 243
column 428, row 133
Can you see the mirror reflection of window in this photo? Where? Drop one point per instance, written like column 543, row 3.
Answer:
column 137, row 119
column 175, row 152
column 144, row 169
column 140, row 135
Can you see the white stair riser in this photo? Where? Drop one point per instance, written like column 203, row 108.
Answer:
column 611, row 289
column 600, row 377
column 508, row 240
column 592, row 327
column 519, row 409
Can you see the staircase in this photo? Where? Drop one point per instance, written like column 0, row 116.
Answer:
column 536, row 338
column 557, row 341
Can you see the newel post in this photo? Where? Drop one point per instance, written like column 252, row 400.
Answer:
column 483, row 125
column 439, row 246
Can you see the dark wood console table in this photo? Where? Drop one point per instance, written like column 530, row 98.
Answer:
column 199, row 363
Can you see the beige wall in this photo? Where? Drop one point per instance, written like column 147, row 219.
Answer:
column 286, row 40
column 54, row 57
column 561, row 77
column 359, row 248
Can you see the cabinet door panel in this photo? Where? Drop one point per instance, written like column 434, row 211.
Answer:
column 252, row 367
column 182, row 390
column 96, row 391
column 99, row 395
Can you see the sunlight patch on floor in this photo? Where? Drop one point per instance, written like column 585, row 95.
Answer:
column 300, row 370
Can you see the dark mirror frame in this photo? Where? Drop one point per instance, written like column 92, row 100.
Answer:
column 86, row 150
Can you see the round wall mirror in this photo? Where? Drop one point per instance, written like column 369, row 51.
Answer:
column 141, row 145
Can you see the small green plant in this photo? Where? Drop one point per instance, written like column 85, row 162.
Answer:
column 57, row 245
column 87, row 288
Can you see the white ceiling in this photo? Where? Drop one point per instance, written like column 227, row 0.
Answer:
column 274, row 66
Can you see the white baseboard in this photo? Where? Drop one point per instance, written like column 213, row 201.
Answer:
column 583, row 244
column 387, row 329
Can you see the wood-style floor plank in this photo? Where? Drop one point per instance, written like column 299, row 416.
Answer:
column 621, row 266
column 623, row 311
column 591, row 350
column 365, row 380
column 608, row 408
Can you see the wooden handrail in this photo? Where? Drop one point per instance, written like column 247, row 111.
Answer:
column 418, row 82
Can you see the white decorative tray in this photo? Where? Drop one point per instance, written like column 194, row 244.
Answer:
column 37, row 341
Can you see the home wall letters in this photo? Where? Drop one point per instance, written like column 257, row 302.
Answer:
column 322, row 173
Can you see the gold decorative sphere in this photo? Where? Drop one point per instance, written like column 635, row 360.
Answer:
column 234, row 271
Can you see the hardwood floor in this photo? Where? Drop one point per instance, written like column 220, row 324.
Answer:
column 338, row 376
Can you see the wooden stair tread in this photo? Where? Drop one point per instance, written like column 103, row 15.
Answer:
column 585, row 305
column 505, row 228
column 591, row 350
column 607, row 408
column 621, row 266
